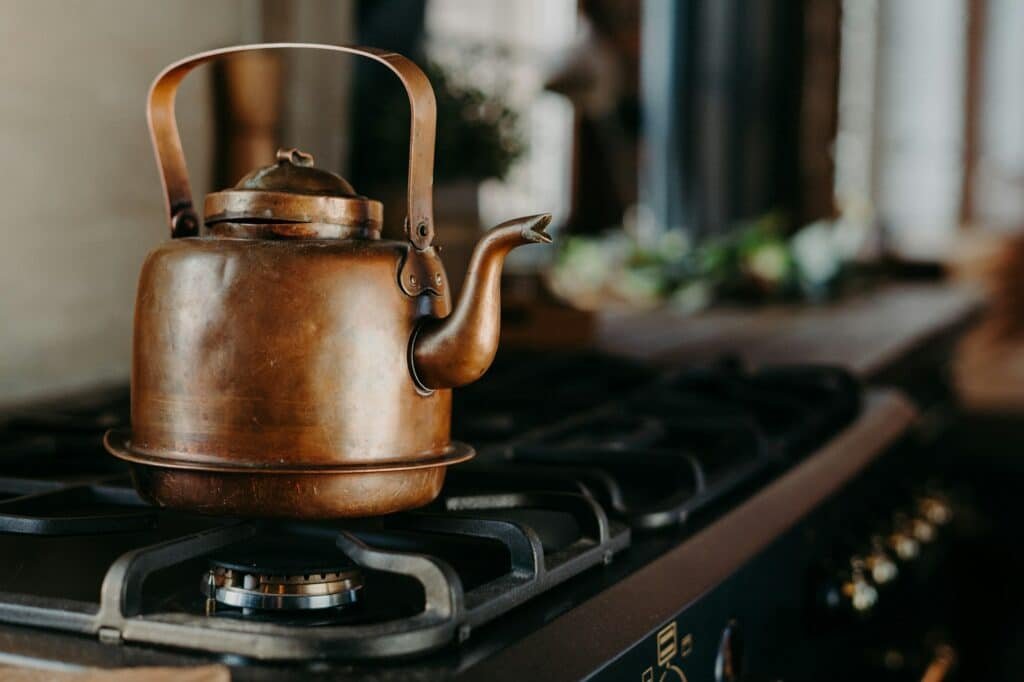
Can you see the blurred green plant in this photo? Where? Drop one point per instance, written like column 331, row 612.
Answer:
column 756, row 262
column 478, row 134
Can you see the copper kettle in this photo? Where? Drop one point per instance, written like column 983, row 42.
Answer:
column 287, row 361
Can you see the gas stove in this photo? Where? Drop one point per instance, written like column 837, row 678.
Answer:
column 606, row 502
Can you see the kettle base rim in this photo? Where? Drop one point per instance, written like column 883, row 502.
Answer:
column 118, row 443
column 308, row 494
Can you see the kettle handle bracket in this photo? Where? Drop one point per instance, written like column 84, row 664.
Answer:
column 170, row 157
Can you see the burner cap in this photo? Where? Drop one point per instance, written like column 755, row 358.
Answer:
column 283, row 575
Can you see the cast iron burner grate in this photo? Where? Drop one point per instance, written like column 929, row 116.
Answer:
column 563, row 476
column 525, row 390
column 463, row 568
column 46, row 507
column 667, row 450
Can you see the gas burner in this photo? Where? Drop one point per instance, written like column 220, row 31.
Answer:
column 282, row 592
column 279, row 577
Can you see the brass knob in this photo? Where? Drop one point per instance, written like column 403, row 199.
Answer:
column 879, row 564
column 934, row 508
column 904, row 545
column 858, row 590
column 923, row 530
column 295, row 157
column 728, row 663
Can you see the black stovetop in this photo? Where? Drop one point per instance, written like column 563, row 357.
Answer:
column 589, row 466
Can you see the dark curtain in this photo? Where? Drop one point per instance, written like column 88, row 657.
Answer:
column 756, row 100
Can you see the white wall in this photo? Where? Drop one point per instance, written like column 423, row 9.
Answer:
column 920, row 124
column 80, row 201
column 999, row 181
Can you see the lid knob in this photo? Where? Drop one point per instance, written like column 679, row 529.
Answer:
column 295, row 156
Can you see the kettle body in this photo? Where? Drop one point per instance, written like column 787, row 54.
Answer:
column 280, row 357
column 275, row 350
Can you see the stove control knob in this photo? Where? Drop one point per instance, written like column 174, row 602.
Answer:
column 902, row 541
column 905, row 546
column 858, row 590
column 935, row 509
column 728, row 664
column 880, row 565
column 923, row 530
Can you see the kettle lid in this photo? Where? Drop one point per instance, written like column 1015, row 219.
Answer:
column 292, row 198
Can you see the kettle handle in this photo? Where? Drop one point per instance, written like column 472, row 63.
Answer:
column 163, row 128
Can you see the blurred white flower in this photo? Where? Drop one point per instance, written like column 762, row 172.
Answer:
column 815, row 252
column 850, row 237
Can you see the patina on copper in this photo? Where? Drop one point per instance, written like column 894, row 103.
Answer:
column 286, row 361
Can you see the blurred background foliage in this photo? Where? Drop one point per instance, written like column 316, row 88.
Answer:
column 758, row 261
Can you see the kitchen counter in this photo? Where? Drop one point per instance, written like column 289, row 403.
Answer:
column 866, row 333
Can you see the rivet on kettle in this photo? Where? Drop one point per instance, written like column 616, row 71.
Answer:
column 185, row 224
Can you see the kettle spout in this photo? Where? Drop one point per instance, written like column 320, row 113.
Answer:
column 458, row 349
